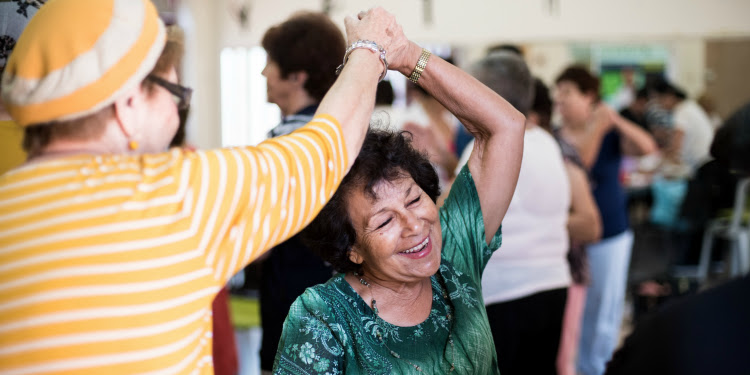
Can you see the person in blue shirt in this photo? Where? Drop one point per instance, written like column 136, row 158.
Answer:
column 601, row 137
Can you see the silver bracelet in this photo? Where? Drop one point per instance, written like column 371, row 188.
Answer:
column 372, row 46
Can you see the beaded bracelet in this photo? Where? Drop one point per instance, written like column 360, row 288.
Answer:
column 372, row 46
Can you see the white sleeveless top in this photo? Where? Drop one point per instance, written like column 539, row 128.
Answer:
column 532, row 257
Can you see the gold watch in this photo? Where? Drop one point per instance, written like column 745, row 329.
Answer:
column 421, row 64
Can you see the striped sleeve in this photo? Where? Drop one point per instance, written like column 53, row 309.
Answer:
column 250, row 199
column 109, row 263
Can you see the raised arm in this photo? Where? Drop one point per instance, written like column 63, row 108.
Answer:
column 635, row 140
column 257, row 197
column 351, row 99
column 497, row 127
column 590, row 143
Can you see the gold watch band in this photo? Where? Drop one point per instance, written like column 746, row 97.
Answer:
column 421, row 64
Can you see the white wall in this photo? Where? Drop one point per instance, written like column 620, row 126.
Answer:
column 483, row 20
column 690, row 66
column 200, row 19
column 688, row 56
column 472, row 24
column 487, row 21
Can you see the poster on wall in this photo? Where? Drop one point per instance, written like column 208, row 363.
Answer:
column 624, row 69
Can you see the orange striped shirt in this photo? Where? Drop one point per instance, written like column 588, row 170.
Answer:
column 109, row 264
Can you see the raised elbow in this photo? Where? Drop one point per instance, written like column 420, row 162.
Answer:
column 585, row 227
column 519, row 120
column 596, row 230
column 596, row 225
column 516, row 124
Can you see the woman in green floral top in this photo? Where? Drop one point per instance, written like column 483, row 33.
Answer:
column 408, row 298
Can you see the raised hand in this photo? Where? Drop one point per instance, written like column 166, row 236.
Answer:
column 603, row 117
column 381, row 27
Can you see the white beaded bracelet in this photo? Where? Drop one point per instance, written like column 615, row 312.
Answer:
column 372, row 46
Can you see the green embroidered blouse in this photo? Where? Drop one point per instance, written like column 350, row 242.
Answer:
column 331, row 330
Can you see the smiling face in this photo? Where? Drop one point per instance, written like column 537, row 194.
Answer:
column 398, row 232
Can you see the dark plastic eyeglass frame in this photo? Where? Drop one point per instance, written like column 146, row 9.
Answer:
column 181, row 92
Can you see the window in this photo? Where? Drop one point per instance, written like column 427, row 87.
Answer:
column 246, row 116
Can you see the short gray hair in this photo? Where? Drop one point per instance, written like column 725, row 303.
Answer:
column 507, row 74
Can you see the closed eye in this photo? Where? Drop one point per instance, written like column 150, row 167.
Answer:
column 384, row 223
column 416, row 200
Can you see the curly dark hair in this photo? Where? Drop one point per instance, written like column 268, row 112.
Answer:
column 309, row 42
column 385, row 156
column 586, row 82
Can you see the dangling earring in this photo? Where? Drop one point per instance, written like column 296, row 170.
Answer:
column 133, row 145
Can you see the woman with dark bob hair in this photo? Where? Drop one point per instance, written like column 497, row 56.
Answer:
column 602, row 137
column 408, row 296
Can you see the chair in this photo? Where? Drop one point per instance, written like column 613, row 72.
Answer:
column 736, row 230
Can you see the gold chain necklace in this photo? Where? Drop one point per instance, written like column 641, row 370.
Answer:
column 380, row 337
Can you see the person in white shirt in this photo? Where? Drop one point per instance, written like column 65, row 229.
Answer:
column 525, row 284
column 693, row 129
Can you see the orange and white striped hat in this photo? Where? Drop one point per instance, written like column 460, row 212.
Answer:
column 75, row 57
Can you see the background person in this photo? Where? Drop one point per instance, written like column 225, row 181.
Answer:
column 584, row 226
column 99, row 197
column 303, row 53
column 693, row 130
column 601, row 137
column 707, row 333
column 525, row 285
column 635, row 112
column 434, row 128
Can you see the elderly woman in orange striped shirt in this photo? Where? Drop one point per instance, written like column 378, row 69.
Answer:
column 111, row 249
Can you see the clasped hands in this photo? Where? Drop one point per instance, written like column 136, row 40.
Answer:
column 378, row 25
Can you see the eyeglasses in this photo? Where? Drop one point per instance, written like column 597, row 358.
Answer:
column 181, row 93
